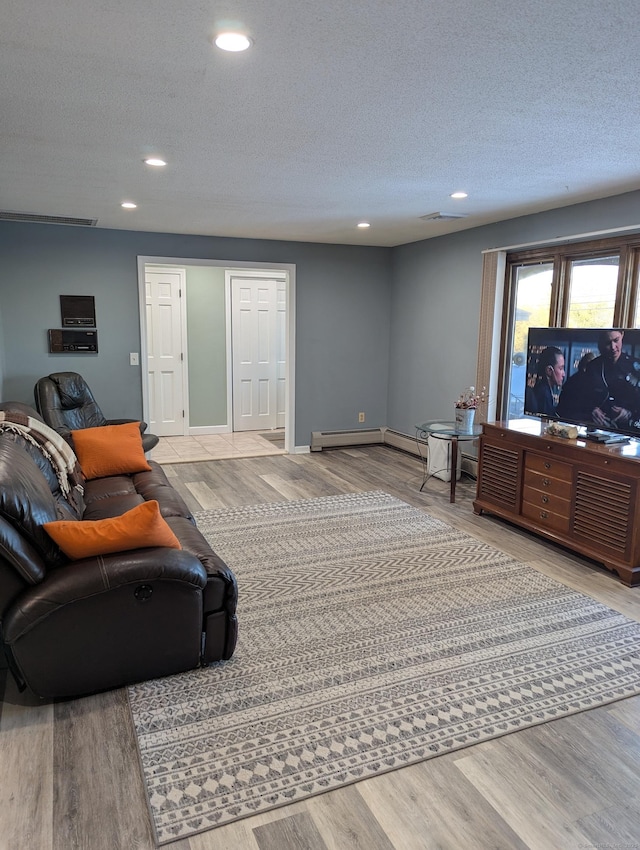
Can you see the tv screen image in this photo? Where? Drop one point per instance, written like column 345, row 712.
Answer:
column 586, row 376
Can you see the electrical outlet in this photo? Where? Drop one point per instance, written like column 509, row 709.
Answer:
column 361, row 417
column 134, row 358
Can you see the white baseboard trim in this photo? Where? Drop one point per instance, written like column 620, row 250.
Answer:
column 201, row 430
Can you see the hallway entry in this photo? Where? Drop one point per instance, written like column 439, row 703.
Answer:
column 214, row 347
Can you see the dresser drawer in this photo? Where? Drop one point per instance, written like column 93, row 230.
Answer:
column 548, row 465
column 547, row 501
column 546, row 518
column 547, row 484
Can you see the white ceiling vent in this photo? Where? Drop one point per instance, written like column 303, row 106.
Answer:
column 441, row 216
column 6, row 215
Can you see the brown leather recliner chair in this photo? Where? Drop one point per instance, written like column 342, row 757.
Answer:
column 66, row 403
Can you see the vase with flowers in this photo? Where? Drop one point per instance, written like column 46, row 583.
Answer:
column 465, row 408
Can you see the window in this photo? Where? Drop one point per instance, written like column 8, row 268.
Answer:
column 532, row 303
column 583, row 285
column 592, row 292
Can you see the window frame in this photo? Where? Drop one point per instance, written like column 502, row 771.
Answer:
column 626, row 312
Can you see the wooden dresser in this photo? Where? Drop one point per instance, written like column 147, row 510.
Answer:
column 580, row 494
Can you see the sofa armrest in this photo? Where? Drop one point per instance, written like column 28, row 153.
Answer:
column 90, row 577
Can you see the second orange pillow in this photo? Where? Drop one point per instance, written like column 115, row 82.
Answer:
column 110, row 450
column 139, row 528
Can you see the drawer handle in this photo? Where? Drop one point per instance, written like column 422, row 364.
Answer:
column 546, row 482
column 545, row 499
column 547, row 465
column 544, row 515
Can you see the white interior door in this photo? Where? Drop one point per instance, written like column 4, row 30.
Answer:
column 163, row 290
column 259, row 358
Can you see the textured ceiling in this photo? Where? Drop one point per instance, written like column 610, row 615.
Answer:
column 343, row 110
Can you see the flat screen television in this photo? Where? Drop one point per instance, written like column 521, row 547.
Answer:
column 585, row 376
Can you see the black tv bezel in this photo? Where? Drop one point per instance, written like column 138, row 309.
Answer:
column 574, row 343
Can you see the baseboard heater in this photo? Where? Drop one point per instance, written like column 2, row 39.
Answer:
column 388, row 437
column 339, row 439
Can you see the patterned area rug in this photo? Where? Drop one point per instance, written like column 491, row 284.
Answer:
column 372, row 636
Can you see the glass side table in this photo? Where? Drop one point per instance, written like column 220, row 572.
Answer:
column 443, row 430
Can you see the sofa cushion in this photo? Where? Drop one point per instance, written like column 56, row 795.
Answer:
column 113, row 506
column 110, row 450
column 140, row 528
column 101, row 489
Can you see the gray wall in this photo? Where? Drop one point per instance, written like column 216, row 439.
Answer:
column 435, row 303
column 342, row 326
column 392, row 332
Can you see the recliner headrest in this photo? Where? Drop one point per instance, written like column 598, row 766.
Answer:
column 72, row 389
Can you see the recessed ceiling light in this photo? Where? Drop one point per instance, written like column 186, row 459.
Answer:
column 459, row 195
column 128, row 205
column 155, row 161
column 363, row 224
column 233, row 41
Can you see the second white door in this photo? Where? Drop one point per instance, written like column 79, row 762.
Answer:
column 258, row 308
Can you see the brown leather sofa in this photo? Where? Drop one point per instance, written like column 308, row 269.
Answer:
column 77, row 627
column 66, row 403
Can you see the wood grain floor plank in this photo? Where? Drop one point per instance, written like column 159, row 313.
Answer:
column 205, row 496
column 170, row 472
column 614, row 828
column 331, row 484
column 95, row 761
column 234, row 835
column 345, row 820
column 289, row 490
column 564, row 768
column 593, row 748
column 429, row 806
column 290, row 833
column 26, row 778
column 516, row 793
column 239, row 484
column 628, row 712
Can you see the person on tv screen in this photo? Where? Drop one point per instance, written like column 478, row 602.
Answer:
column 544, row 396
column 606, row 391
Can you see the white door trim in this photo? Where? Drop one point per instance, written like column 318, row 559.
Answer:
column 289, row 269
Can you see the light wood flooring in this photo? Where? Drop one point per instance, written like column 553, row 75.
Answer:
column 70, row 776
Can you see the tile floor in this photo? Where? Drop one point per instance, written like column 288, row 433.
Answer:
column 218, row 446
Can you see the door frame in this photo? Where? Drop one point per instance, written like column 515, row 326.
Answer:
column 286, row 269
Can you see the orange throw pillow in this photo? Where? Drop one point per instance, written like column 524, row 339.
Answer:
column 110, row 450
column 139, row 528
